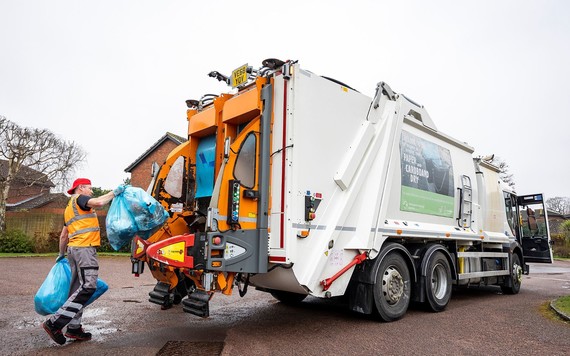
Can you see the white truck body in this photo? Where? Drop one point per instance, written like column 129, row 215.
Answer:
column 350, row 153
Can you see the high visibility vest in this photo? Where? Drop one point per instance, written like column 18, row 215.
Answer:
column 82, row 226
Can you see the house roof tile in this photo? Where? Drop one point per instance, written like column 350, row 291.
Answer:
column 168, row 136
column 37, row 201
column 26, row 175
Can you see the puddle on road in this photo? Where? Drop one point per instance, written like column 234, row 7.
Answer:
column 93, row 312
column 97, row 327
column 29, row 323
column 102, row 329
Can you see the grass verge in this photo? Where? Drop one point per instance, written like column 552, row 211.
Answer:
column 563, row 304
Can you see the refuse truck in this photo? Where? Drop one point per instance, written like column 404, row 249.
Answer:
column 296, row 184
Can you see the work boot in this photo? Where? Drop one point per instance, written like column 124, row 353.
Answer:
column 78, row 334
column 53, row 332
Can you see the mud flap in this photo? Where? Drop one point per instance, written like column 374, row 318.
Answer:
column 361, row 297
column 197, row 303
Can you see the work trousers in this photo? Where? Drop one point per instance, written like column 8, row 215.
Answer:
column 84, row 272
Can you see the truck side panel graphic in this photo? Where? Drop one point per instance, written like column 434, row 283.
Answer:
column 427, row 177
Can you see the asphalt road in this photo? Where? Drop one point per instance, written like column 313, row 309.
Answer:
column 479, row 321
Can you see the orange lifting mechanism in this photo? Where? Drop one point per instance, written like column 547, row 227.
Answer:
column 173, row 251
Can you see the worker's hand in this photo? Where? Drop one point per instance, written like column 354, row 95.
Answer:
column 119, row 190
column 60, row 257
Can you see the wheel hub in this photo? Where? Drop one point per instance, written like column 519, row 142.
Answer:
column 517, row 273
column 392, row 285
column 439, row 281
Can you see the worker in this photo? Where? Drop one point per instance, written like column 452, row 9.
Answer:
column 80, row 236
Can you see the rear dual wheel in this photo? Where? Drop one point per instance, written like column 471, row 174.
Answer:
column 438, row 282
column 392, row 287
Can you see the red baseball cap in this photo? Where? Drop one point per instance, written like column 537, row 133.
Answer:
column 77, row 183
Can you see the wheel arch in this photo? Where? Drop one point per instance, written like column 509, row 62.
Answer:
column 429, row 251
column 509, row 286
column 386, row 249
column 516, row 249
column 519, row 251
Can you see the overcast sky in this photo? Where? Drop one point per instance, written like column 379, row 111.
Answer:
column 113, row 76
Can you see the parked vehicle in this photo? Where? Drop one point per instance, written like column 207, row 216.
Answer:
column 299, row 185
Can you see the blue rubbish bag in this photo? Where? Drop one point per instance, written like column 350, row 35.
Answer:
column 101, row 288
column 54, row 291
column 121, row 226
column 148, row 213
column 134, row 212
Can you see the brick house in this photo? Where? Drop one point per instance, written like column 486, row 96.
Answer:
column 555, row 221
column 33, row 209
column 30, row 189
column 141, row 168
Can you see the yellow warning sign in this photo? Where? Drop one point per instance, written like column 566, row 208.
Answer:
column 174, row 252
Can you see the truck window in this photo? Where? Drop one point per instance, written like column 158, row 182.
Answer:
column 533, row 222
column 511, row 210
column 244, row 170
column 173, row 182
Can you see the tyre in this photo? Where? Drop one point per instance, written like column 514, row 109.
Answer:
column 438, row 282
column 392, row 287
column 515, row 278
column 289, row 298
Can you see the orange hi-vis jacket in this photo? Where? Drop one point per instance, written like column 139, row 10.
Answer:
column 82, row 226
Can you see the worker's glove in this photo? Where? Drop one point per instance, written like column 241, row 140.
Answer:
column 119, row 190
column 60, row 257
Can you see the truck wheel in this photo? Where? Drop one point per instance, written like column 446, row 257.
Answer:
column 288, row 298
column 438, row 282
column 392, row 287
column 516, row 276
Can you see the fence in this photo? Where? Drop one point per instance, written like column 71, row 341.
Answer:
column 44, row 226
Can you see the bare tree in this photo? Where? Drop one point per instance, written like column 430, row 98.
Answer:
column 560, row 205
column 53, row 159
column 504, row 173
